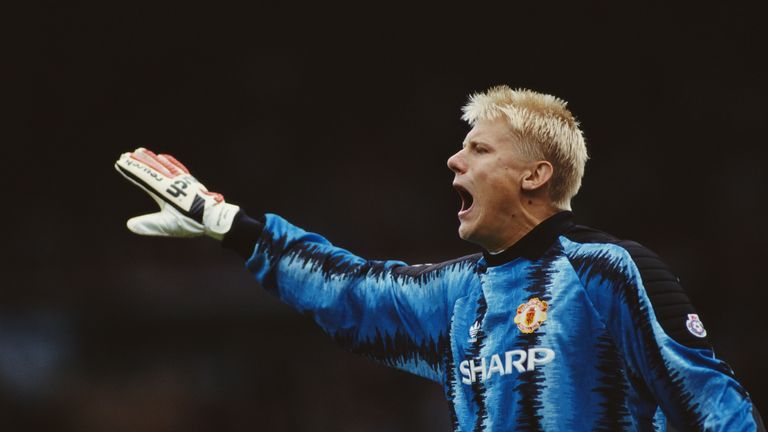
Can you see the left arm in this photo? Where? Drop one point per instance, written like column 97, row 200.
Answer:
column 663, row 342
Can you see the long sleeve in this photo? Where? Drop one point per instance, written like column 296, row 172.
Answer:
column 386, row 310
column 663, row 342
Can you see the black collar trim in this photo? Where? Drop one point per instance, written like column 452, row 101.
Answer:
column 536, row 242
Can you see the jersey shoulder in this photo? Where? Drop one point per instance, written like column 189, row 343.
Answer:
column 671, row 305
column 426, row 270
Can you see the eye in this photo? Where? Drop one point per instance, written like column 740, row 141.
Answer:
column 481, row 150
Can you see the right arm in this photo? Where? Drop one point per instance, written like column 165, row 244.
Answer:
column 386, row 310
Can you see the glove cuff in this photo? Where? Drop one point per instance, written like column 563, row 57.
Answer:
column 218, row 218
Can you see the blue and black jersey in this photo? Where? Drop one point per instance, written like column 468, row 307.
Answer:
column 569, row 329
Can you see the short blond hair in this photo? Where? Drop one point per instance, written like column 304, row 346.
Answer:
column 547, row 131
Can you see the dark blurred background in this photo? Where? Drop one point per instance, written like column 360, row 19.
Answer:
column 340, row 119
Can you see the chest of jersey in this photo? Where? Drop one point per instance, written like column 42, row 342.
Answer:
column 527, row 348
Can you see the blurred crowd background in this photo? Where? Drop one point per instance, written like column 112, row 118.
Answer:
column 340, row 119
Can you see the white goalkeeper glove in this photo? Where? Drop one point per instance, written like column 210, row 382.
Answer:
column 187, row 208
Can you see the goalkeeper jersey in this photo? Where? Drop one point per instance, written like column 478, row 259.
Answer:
column 569, row 329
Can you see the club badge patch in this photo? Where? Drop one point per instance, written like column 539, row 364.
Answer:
column 695, row 326
column 530, row 315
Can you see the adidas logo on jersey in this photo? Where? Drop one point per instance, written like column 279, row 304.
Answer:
column 473, row 332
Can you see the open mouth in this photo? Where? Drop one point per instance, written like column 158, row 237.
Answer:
column 466, row 199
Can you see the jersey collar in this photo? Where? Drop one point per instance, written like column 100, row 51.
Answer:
column 536, row 242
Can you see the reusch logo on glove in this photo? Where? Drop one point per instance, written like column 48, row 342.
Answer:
column 187, row 208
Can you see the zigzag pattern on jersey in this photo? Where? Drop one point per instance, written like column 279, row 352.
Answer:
column 269, row 248
column 395, row 350
column 532, row 383
column 611, row 386
column 450, row 380
column 646, row 417
column 609, row 267
column 335, row 271
column 478, row 387
column 347, row 265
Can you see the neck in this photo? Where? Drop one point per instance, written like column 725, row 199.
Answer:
column 523, row 222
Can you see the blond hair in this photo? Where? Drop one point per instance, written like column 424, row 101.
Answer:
column 547, row 131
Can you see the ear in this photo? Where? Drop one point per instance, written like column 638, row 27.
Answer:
column 538, row 175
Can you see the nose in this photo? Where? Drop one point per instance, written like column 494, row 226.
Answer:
column 457, row 164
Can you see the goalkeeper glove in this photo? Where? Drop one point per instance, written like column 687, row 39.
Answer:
column 187, row 208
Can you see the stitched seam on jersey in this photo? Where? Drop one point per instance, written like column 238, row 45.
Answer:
column 581, row 282
column 619, row 353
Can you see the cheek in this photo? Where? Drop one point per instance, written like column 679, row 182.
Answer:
column 499, row 202
column 503, row 186
column 499, row 182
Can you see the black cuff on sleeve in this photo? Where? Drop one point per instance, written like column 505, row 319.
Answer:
column 243, row 235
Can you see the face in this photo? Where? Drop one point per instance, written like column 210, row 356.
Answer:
column 489, row 172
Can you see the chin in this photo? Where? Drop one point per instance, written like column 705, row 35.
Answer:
column 463, row 234
column 466, row 233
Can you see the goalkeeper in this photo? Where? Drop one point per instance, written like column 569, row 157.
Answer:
column 553, row 326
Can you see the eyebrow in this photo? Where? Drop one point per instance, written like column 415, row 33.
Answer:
column 475, row 142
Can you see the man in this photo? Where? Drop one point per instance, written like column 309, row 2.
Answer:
column 553, row 326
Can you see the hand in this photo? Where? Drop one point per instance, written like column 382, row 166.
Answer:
column 187, row 208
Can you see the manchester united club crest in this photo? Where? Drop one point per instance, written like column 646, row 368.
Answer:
column 530, row 315
column 695, row 326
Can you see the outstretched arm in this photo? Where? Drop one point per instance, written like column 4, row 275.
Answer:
column 386, row 310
